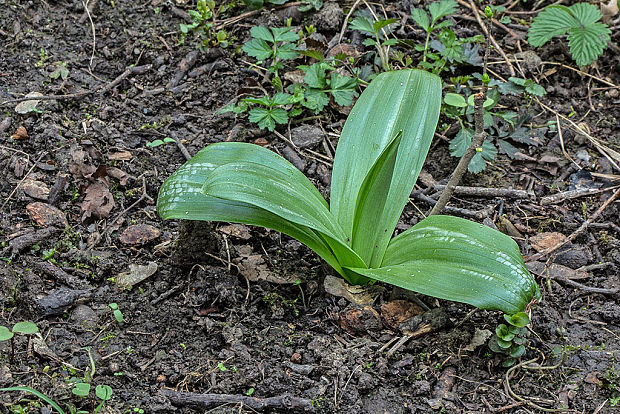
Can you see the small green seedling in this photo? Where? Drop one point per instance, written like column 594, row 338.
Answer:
column 380, row 153
column 378, row 39
column 511, row 339
column 275, row 44
column 158, row 142
column 21, row 328
column 587, row 37
column 448, row 47
column 118, row 315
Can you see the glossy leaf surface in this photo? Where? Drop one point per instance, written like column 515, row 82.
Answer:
column 457, row 259
column 407, row 101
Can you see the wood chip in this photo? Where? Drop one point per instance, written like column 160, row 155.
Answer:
column 20, row 134
column 120, row 156
column 36, row 189
column 236, row 230
column 544, row 241
column 139, row 234
column 45, row 215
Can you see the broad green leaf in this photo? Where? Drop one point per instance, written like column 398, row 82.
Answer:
column 455, row 99
column 517, row 352
column 421, row 18
column 261, row 32
column 456, row 259
column 553, row 21
column 407, row 101
column 371, row 202
column 5, row 333
column 258, row 49
column 519, row 319
column 441, row 9
column 25, row 328
column 180, row 196
column 286, row 193
column 36, row 393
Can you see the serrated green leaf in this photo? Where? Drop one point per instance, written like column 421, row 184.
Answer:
column 362, row 24
column 261, row 32
column 281, row 99
column 287, row 51
column 456, row 259
column 380, row 24
column 586, row 37
column 408, row 101
column 268, row 118
column 342, row 89
column 441, row 9
column 284, row 34
column 460, row 142
column 315, row 100
column 421, row 18
column 315, row 76
column 258, row 49
column 587, row 43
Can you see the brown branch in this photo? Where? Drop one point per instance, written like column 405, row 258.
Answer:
column 577, row 232
column 208, row 401
column 476, row 143
column 134, row 70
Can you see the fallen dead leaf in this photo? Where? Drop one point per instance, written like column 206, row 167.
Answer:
column 46, row 215
column 36, row 189
column 77, row 163
column 136, row 274
column 556, row 271
column 360, row 320
column 480, row 338
column 254, row 267
column 338, row 287
column 28, row 106
column 139, row 234
column 544, row 241
column 397, row 311
column 119, row 174
column 20, row 134
column 98, row 202
column 236, row 230
column 120, row 156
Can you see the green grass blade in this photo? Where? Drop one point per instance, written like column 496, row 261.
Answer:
column 456, row 259
column 407, row 101
column 37, row 394
column 371, row 203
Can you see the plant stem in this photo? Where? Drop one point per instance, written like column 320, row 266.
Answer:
column 428, row 36
column 476, row 142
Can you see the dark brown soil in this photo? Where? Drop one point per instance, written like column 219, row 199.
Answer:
column 198, row 324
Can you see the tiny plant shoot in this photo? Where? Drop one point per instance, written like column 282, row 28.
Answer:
column 380, row 153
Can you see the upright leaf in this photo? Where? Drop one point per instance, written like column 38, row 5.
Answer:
column 407, row 101
column 371, row 202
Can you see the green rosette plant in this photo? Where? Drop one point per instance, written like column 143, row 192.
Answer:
column 380, row 153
